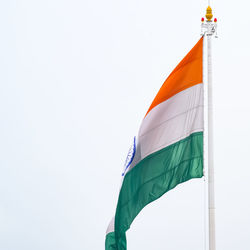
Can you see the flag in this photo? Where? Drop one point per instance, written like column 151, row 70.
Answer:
column 169, row 146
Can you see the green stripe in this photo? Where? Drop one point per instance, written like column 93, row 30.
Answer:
column 110, row 241
column 154, row 176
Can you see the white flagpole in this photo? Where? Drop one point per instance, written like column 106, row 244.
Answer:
column 208, row 30
column 211, row 204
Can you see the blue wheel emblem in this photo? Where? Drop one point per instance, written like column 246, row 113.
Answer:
column 130, row 156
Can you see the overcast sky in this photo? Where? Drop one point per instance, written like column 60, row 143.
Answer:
column 76, row 78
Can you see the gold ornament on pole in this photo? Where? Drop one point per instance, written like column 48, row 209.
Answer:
column 209, row 14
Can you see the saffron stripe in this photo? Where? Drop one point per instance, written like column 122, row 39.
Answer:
column 187, row 74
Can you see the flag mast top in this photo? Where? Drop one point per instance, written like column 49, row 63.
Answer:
column 209, row 29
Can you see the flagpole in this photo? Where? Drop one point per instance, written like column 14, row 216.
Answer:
column 208, row 30
column 211, row 203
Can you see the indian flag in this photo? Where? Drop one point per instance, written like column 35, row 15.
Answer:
column 168, row 149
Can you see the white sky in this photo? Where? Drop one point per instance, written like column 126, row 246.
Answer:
column 76, row 78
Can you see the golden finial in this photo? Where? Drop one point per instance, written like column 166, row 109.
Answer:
column 209, row 14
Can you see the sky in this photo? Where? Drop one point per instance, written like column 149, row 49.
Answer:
column 76, row 79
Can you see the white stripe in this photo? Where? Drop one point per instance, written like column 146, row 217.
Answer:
column 111, row 227
column 171, row 121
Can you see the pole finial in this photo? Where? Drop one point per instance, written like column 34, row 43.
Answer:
column 209, row 28
column 209, row 14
